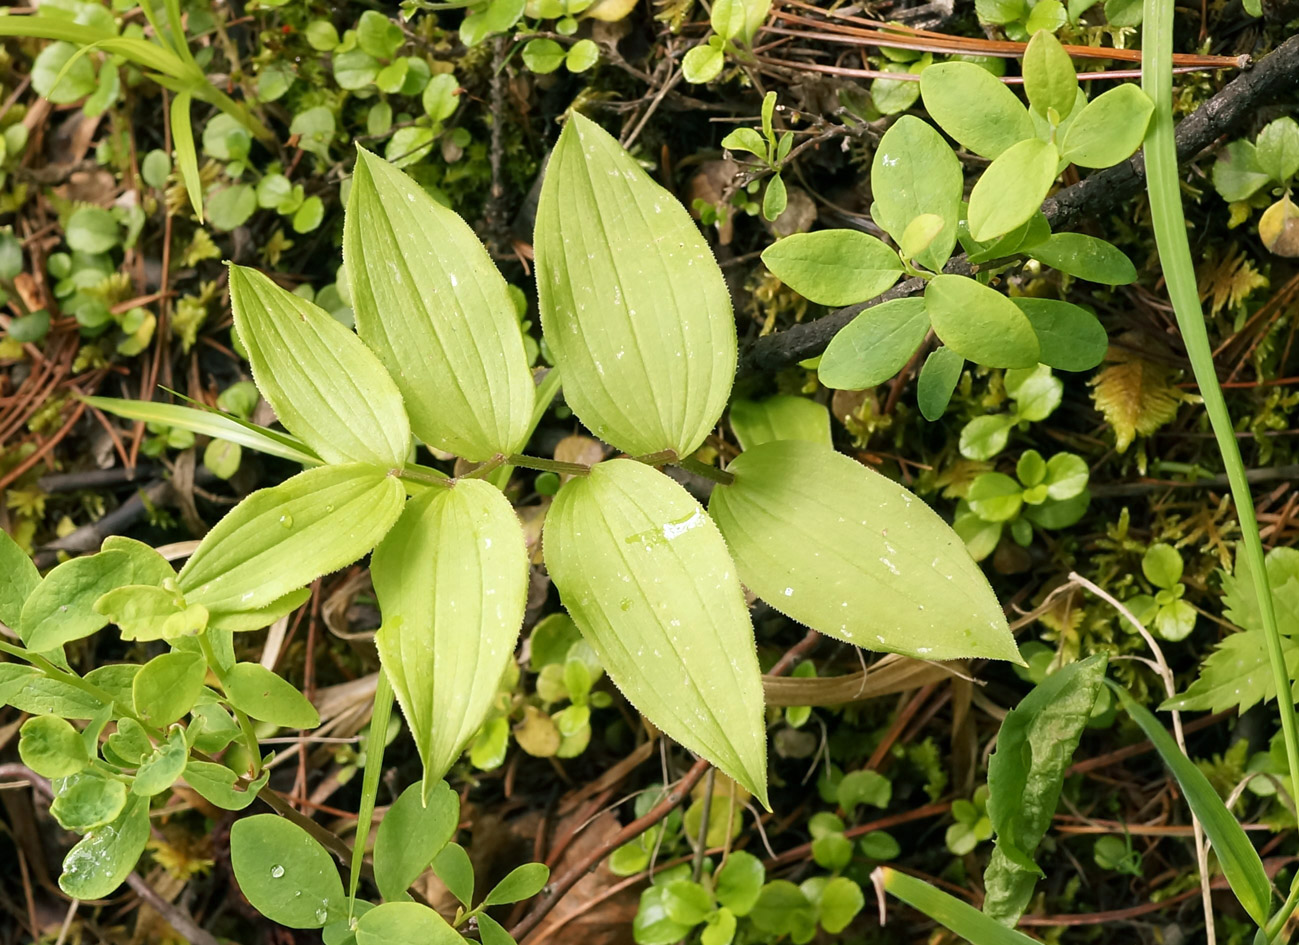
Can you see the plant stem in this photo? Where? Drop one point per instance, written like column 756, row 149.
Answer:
column 245, row 723
column 425, row 476
column 1162, row 181
column 370, row 785
column 549, row 465
column 719, row 476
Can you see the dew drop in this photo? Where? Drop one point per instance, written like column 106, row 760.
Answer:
column 286, row 520
column 277, row 871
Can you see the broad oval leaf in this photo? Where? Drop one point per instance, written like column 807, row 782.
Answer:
column 1025, row 774
column 974, row 107
column 833, row 267
column 632, row 302
column 267, row 697
column 405, row 923
column 1110, row 128
column 780, row 417
column 1049, row 79
column 62, row 607
column 938, row 380
column 980, row 323
column 875, row 345
column 18, row 578
column 284, row 872
column 278, row 539
column 1012, row 189
column 1236, row 855
column 646, row 576
column 1070, row 337
column 105, row 856
column 914, row 172
column 451, row 578
column 1086, row 257
column 167, row 686
column 432, row 305
column 411, row 834
column 848, row 552
column 325, row 385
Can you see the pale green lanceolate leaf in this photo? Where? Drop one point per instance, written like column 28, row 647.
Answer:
column 105, row 857
column 186, row 154
column 451, row 578
column 18, row 578
column 948, row 911
column 915, row 172
column 781, row 417
column 875, row 345
column 850, row 553
column 937, row 381
column 62, row 607
column 635, row 309
column 833, row 267
column 1049, row 79
column 1237, row 857
column 325, row 385
column 405, row 923
column 1012, row 189
column 1025, row 774
column 1070, row 337
column 1087, row 258
column 285, row 873
column 1110, row 128
column 1236, row 675
column 279, row 539
column 210, row 423
column 980, row 323
column 432, row 305
column 974, row 107
column 411, row 834
column 646, row 576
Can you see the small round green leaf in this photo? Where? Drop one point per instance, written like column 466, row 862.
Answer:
column 1110, row 128
column 102, row 860
column 1070, row 337
column 875, row 345
column 86, row 800
column 980, row 323
column 167, row 686
column 1012, row 189
column 522, row 882
column 51, row 747
column 833, row 267
column 1049, row 79
column 974, row 107
column 411, row 834
column 284, row 872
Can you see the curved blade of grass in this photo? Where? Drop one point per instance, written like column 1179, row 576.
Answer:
column 210, row 423
column 182, row 139
column 1162, row 184
column 370, row 784
column 1236, row 855
column 948, row 911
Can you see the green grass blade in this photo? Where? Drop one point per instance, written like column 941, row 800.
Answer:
column 1163, row 185
column 948, row 911
column 209, row 423
column 374, row 747
column 1236, row 855
column 182, row 139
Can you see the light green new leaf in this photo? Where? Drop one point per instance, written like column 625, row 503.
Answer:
column 1012, row 189
column 210, row 423
column 18, row 578
column 632, row 302
column 267, row 697
column 1070, row 337
column 1237, row 857
column 1086, row 257
column 105, row 857
column 167, row 686
column 62, row 607
column 279, row 539
column 144, row 612
column 51, row 747
column 980, row 323
column 938, row 379
column 451, row 578
column 1110, row 128
column 411, row 834
column 875, row 345
column 1277, row 149
column 915, row 172
column 327, row 388
column 782, row 417
column 1025, row 774
column 948, row 911
column 285, row 873
column 974, row 107
column 646, row 576
column 833, row 267
column 432, row 305
column 160, row 768
column 405, row 923
column 1049, row 79
column 848, row 552
column 216, row 784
